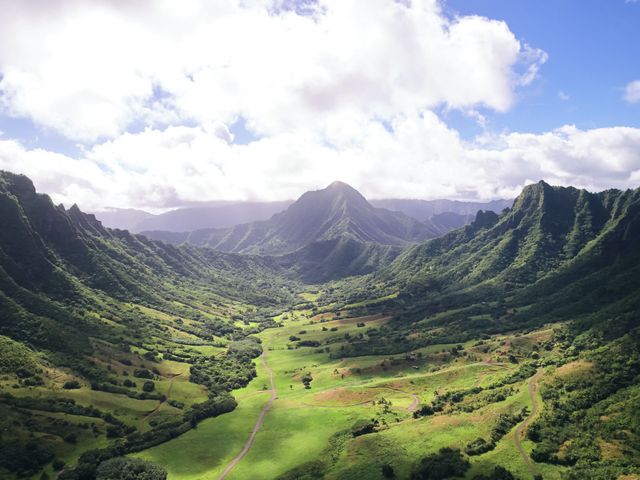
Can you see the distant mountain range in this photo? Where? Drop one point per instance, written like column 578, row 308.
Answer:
column 229, row 214
column 336, row 211
column 217, row 215
column 427, row 209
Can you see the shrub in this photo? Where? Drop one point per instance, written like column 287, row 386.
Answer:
column 122, row 468
column 71, row 385
column 149, row 386
column 447, row 463
column 142, row 373
column 387, row 471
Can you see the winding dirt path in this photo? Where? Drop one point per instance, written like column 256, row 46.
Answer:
column 155, row 410
column 414, row 398
column 257, row 426
column 519, row 432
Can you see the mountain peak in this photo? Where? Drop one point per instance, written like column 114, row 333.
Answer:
column 338, row 190
column 338, row 185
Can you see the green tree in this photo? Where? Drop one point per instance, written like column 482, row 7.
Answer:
column 122, row 468
column 447, row 463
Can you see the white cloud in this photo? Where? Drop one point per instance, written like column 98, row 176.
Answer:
column 632, row 92
column 418, row 157
column 90, row 69
column 345, row 93
column 563, row 96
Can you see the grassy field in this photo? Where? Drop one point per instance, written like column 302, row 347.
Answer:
column 314, row 424
column 321, row 396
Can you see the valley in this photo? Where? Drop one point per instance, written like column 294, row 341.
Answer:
column 507, row 348
column 316, row 424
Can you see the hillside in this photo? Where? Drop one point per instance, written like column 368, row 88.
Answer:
column 559, row 253
column 511, row 343
column 334, row 212
column 110, row 319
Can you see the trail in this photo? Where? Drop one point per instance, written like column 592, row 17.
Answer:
column 257, row 426
column 533, row 386
column 414, row 398
column 155, row 410
column 411, row 408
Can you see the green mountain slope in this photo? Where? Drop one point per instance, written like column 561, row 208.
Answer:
column 99, row 323
column 559, row 253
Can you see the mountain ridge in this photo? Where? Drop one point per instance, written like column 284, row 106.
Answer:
column 226, row 214
column 336, row 211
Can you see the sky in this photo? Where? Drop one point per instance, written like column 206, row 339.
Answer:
column 155, row 104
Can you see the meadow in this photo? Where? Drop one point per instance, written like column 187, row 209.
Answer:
column 309, row 431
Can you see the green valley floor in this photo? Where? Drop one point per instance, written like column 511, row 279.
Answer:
column 312, row 429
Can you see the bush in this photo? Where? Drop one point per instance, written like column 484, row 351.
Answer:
column 363, row 427
column 142, row 373
column 447, row 463
column 71, row 385
column 148, row 386
column 24, row 459
column 499, row 473
column 387, row 471
column 122, row 468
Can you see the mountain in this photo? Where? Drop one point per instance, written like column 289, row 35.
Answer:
column 427, row 209
column 94, row 321
column 221, row 215
column 112, row 343
column 338, row 211
column 123, row 218
column 51, row 258
column 559, row 253
column 217, row 215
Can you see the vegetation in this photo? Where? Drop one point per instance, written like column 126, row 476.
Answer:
column 505, row 349
column 129, row 469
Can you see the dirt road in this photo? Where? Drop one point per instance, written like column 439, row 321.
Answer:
column 257, row 426
column 518, row 434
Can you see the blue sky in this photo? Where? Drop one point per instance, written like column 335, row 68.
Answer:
column 263, row 99
column 594, row 52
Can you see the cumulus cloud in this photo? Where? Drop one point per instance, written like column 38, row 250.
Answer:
column 632, row 92
column 88, row 70
column 330, row 89
column 418, row 157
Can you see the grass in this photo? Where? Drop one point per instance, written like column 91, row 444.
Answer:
column 301, row 422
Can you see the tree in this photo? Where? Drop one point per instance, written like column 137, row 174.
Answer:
column 499, row 473
column 148, row 386
column 448, row 462
column 387, row 471
column 122, row 468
